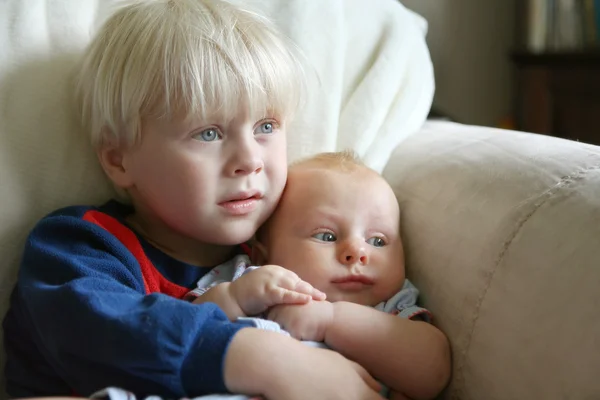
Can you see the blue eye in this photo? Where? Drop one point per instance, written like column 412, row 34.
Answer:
column 325, row 237
column 376, row 242
column 208, row 135
column 265, row 128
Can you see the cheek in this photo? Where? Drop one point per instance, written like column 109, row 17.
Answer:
column 311, row 264
column 276, row 151
column 276, row 161
column 176, row 177
column 298, row 256
column 150, row 161
column 392, row 272
column 150, row 175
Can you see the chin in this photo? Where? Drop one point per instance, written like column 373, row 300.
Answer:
column 357, row 298
column 335, row 297
column 232, row 237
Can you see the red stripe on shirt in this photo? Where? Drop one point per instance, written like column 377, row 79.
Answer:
column 154, row 281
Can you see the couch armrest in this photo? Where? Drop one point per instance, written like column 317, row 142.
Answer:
column 502, row 235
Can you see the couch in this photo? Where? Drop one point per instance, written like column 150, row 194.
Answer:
column 502, row 231
column 501, row 228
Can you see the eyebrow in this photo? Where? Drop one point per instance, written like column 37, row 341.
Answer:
column 326, row 213
column 317, row 216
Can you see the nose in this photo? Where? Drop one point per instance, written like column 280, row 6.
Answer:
column 354, row 253
column 246, row 158
column 249, row 165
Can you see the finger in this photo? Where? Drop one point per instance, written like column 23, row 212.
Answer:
column 306, row 288
column 286, row 296
column 369, row 380
column 318, row 295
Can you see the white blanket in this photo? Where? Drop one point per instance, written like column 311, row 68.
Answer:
column 373, row 87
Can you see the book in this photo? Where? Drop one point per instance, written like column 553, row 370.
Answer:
column 566, row 25
column 589, row 23
column 562, row 25
column 537, row 24
column 597, row 18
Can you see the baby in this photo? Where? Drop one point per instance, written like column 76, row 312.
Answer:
column 337, row 227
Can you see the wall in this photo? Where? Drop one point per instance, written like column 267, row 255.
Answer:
column 470, row 41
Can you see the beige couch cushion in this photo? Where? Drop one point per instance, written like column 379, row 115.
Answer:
column 503, row 237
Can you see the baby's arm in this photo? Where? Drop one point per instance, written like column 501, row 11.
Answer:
column 410, row 357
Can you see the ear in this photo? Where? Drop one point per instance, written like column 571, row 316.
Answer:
column 259, row 254
column 112, row 158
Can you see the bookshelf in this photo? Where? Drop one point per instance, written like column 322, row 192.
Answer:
column 557, row 68
column 558, row 25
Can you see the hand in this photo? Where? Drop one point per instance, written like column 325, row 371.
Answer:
column 304, row 321
column 271, row 285
column 281, row 368
column 324, row 374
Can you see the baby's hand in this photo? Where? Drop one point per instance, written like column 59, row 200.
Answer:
column 306, row 321
column 268, row 286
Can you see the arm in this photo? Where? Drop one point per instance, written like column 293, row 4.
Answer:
column 80, row 297
column 409, row 356
column 279, row 367
column 81, row 300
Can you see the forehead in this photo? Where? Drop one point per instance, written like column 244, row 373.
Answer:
column 322, row 190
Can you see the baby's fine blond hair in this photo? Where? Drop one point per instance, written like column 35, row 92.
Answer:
column 183, row 58
column 344, row 161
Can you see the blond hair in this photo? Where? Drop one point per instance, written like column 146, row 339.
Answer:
column 345, row 160
column 183, row 58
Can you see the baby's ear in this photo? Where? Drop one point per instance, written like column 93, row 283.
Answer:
column 259, row 254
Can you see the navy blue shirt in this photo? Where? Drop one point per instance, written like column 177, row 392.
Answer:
column 89, row 312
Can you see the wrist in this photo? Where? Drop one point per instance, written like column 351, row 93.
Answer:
column 338, row 310
column 230, row 289
column 329, row 318
column 222, row 296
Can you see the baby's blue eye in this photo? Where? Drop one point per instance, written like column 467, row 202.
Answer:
column 325, row 237
column 266, row 127
column 208, row 135
column 376, row 242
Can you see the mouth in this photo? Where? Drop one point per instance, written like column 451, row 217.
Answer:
column 354, row 279
column 243, row 196
column 241, row 203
